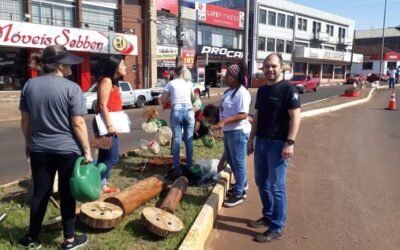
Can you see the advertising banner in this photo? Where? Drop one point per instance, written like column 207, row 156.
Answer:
column 218, row 16
column 168, row 5
column 29, row 35
column 166, row 32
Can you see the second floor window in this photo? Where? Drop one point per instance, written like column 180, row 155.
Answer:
column 282, row 20
column 271, row 18
column 342, row 32
column 53, row 14
column 11, row 10
column 271, row 44
column 290, row 22
column 289, row 47
column 261, row 43
column 262, row 16
column 316, row 27
column 302, row 24
column 329, row 29
column 280, row 46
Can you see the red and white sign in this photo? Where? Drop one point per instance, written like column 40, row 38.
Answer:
column 168, row 5
column 218, row 16
column 29, row 35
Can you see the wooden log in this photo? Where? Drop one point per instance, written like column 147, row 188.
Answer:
column 160, row 222
column 137, row 195
column 99, row 214
column 175, row 194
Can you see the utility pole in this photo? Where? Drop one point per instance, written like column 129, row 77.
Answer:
column 246, row 34
column 383, row 40
column 352, row 51
column 179, row 33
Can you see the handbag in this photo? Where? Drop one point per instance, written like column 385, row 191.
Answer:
column 101, row 142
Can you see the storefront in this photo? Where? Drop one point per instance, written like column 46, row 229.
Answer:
column 328, row 65
column 18, row 40
column 372, row 63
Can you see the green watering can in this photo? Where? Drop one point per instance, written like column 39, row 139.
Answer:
column 85, row 181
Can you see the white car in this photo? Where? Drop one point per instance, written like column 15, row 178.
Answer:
column 130, row 97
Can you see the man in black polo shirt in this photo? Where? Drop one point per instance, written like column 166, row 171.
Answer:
column 275, row 127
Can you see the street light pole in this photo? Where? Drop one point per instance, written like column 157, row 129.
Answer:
column 383, row 40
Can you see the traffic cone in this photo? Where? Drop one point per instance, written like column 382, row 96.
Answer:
column 392, row 102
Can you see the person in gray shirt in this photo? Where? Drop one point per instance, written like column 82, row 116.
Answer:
column 55, row 132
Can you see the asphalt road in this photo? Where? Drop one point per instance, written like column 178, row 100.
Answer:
column 13, row 164
column 343, row 186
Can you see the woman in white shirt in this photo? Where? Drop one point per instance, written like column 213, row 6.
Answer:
column 234, row 109
column 179, row 93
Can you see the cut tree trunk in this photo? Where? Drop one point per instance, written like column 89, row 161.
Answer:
column 99, row 214
column 137, row 195
column 161, row 222
column 174, row 195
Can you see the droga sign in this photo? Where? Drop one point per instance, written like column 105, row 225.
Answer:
column 218, row 51
column 28, row 35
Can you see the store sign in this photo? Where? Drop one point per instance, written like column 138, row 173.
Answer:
column 168, row 5
column 28, row 35
column 333, row 55
column 221, row 52
column 392, row 56
column 215, row 15
column 167, row 55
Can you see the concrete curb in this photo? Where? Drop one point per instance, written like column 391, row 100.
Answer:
column 203, row 225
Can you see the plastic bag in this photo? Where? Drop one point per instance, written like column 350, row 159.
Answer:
column 154, row 147
column 149, row 127
column 209, row 172
column 164, row 135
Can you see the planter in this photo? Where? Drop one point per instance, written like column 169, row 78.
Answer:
column 351, row 93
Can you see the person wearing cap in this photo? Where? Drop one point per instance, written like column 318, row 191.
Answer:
column 275, row 127
column 55, row 132
column 110, row 100
column 233, row 120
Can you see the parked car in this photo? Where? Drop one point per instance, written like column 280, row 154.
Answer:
column 358, row 78
column 375, row 77
column 130, row 97
column 305, row 83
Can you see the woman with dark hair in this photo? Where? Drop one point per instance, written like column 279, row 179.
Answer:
column 55, row 132
column 109, row 100
column 233, row 113
column 179, row 93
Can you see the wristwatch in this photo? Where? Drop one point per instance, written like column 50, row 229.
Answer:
column 290, row 142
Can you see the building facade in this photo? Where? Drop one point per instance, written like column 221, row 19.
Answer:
column 369, row 43
column 212, row 39
column 93, row 30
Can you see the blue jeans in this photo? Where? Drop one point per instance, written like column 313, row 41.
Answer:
column 182, row 116
column 235, row 145
column 270, row 176
column 109, row 157
column 391, row 82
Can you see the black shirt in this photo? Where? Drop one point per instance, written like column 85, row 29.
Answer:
column 272, row 104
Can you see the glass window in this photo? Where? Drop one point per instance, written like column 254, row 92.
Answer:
column 329, row 29
column 207, row 38
column 316, row 27
column 217, row 40
column 11, row 10
column 261, row 43
column 314, row 70
column 99, row 18
column 290, row 22
column 271, row 18
column 13, row 68
column 339, row 72
column 289, row 47
column 124, row 86
column 327, row 71
column 271, row 44
column 280, row 45
column 342, row 32
column 262, row 16
column 228, row 41
column 367, row 65
column 53, row 13
column 302, row 24
column 300, row 67
column 282, row 20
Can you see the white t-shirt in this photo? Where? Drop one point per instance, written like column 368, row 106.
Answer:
column 239, row 103
column 392, row 73
column 180, row 91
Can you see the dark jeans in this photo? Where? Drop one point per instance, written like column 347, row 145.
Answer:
column 44, row 167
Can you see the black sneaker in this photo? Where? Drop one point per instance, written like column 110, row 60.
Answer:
column 244, row 195
column 2, row 216
column 30, row 243
column 268, row 236
column 233, row 201
column 230, row 190
column 262, row 222
column 79, row 241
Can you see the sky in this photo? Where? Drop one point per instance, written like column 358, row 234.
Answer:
column 366, row 13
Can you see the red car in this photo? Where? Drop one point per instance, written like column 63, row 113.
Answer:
column 304, row 83
column 356, row 79
column 375, row 77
